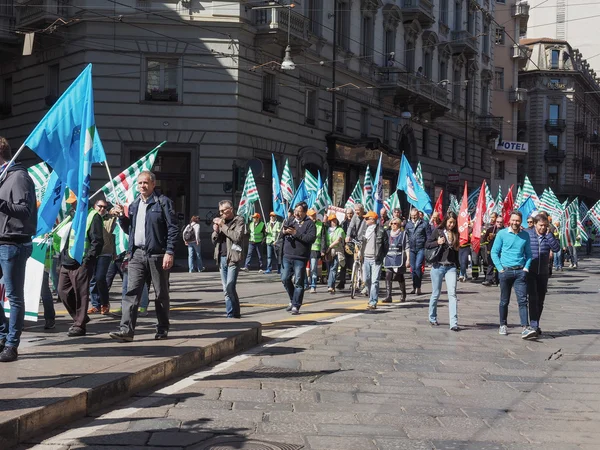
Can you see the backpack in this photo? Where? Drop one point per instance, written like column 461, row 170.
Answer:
column 189, row 235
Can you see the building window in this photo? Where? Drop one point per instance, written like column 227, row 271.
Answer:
column 387, row 130
column 454, row 151
column 443, row 70
column 390, row 47
column 314, row 8
column 269, row 94
column 485, row 97
column 470, row 21
column 456, row 84
column 409, row 57
column 368, row 34
column 425, row 141
column 500, row 35
column 470, row 98
column 555, row 55
column 486, row 38
column 162, row 79
column 339, row 184
column 554, row 113
column 310, row 106
column 552, row 175
column 458, row 24
column 553, row 142
column 444, row 12
column 500, row 166
column 499, row 79
column 427, row 64
column 482, row 159
column 340, row 115
column 441, row 147
column 342, row 12
column 6, row 95
column 53, row 81
column 364, row 122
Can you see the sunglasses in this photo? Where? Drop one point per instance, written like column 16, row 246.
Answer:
column 102, row 206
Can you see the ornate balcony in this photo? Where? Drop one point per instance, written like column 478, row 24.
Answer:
column 491, row 126
column 520, row 51
column 409, row 89
column 422, row 10
column 521, row 10
column 556, row 125
column 554, row 155
column 37, row 13
column 272, row 26
column 463, row 42
column 518, row 95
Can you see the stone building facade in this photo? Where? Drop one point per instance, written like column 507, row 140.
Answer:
column 560, row 120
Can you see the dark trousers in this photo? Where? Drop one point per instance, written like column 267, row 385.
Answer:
column 143, row 267
column 254, row 246
column 491, row 274
column 294, row 268
column 98, row 284
column 516, row 279
column 344, row 269
column 113, row 270
column 74, row 291
column 463, row 259
column 537, row 286
column 47, row 298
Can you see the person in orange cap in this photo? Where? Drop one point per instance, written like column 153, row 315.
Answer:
column 334, row 251
column 374, row 248
column 257, row 237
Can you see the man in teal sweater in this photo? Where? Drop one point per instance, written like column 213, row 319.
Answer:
column 511, row 254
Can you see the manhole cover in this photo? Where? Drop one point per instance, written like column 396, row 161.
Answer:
column 229, row 443
column 275, row 372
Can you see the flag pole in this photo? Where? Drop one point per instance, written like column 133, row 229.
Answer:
column 12, row 160
column 110, row 179
column 261, row 209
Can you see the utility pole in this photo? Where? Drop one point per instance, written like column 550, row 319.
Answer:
column 333, row 68
column 467, row 100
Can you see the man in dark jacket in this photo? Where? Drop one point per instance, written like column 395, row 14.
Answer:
column 299, row 234
column 349, row 257
column 18, row 219
column 542, row 242
column 491, row 274
column 74, row 279
column 152, row 228
column 374, row 248
column 417, row 231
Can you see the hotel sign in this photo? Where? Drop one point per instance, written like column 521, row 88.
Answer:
column 512, row 146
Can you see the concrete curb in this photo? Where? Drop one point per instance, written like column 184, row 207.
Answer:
column 83, row 401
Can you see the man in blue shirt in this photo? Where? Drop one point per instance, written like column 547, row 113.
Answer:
column 511, row 254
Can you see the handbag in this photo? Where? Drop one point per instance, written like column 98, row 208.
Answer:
column 433, row 255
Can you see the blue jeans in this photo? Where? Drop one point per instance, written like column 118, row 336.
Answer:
column 314, row 276
column 195, row 258
column 271, row 257
column 332, row 268
column 295, row 290
column 463, row 259
column 438, row 274
column 558, row 260
column 416, row 264
column 518, row 280
column 98, row 284
column 12, row 263
column 229, row 275
column 251, row 247
column 47, row 299
column 371, row 275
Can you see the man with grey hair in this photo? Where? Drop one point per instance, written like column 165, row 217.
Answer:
column 357, row 223
column 153, row 232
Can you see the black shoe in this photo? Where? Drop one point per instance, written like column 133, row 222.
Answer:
column 49, row 324
column 340, row 286
column 121, row 336
column 161, row 335
column 455, row 328
column 387, row 300
column 413, row 291
column 2, row 343
column 75, row 331
column 9, row 354
column 539, row 331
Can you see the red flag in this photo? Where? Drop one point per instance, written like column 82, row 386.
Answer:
column 479, row 212
column 507, row 207
column 463, row 218
column 438, row 205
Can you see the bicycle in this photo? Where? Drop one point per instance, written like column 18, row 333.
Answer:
column 357, row 270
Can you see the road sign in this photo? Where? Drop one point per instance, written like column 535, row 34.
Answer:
column 453, row 177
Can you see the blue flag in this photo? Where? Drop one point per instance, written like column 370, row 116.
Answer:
column 312, row 198
column 66, row 139
column 415, row 194
column 278, row 207
column 301, row 195
column 527, row 208
column 50, row 205
column 378, row 188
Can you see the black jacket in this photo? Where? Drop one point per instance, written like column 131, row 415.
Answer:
column 161, row 225
column 298, row 246
column 381, row 242
column 541, row 253
column 95, row 236
column 18, row 208
column 449, row 254
column 417, row 234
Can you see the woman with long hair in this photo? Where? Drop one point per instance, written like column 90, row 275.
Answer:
column 396, row 260
column 334, row 252
column 445, row 236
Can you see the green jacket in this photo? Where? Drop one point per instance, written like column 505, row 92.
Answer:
column 257, row 231
column 272, row 231
column 332, row 237
column 319, row 244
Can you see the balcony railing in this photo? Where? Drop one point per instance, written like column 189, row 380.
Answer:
column 518, row 95
column 521, row 10
column 38, row 12
column 273, row 20
column 490, row 125
column 420, row 89
column 463, row 42
column 554, row 155
column 556, row 125
column 520, row 51
column 422, row 10
column 580, row 129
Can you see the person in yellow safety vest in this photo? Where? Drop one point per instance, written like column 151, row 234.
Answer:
column 257, row 237
column 74, row 278
column 273, row 230
column 316, row 250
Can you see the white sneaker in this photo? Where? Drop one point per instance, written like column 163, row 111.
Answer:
column 313, row 290
column 503, row 330
column 528, row 333
column 295, row 311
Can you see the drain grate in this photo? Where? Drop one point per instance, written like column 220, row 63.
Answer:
column 275, row 373
column 229, row 443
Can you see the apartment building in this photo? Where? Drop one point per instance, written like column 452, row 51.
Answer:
column 560, row 119
column 407, row 76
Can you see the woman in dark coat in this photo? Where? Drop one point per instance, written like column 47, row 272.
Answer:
column 396, row 259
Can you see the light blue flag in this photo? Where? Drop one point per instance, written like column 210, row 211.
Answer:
column 278, row 207
column 50, row 205
column 312, row 198
column 415, row 194
column 66, row 139
column 378, row 189
column 527, row 208
column 301, row 195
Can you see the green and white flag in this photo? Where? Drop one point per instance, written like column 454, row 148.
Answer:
column 550, row 204
column 355, row 196
column 519, row 199
column 419, row 176
column 392, row 202
column 454, row 206
column 40, row 175
column 490, row 202
column 568, row 224
column 34, row 275
column 499, row 202
column 367, row 197
column 287, row 183
column 528, row 191
column 125, row 184
column 249, row 196
column 310, row 182
column 323, row 200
